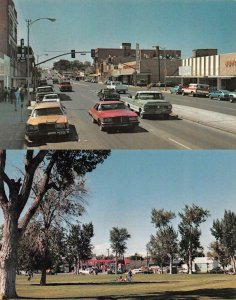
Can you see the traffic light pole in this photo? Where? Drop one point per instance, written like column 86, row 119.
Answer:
column 42, row 62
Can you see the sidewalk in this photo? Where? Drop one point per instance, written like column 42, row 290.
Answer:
column 12, row 125
column 206, row 117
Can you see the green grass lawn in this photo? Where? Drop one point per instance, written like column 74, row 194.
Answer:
column 143, row 286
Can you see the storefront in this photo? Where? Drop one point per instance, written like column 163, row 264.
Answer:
column 219, row 71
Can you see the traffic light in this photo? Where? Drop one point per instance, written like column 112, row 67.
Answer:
column 72, row 53
column 92, row 52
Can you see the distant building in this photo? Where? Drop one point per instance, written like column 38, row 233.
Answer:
column 204, row 264
column 130, row 65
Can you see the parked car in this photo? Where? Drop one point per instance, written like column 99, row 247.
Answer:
column 137, row 271
column 216, row 270
column 177, row 89
column 42, row 91
column 142, row 82
column 86, row 271
column 219, row 94
column 51, row 98
column 232, row 96
column 46, row 119
column 112, row 115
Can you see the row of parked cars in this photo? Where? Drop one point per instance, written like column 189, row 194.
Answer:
column 195, row 89
column 48, row 116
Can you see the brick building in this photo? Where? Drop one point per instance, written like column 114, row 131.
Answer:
column 128, row 65
column 8, row 42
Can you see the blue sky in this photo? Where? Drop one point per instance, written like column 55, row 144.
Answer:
column 86, row 24
column 129, row 184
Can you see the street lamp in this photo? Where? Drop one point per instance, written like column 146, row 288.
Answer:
column 29, row 23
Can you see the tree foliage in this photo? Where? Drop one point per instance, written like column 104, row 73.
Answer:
column 118, row 239
column 163, row 245
column 224, row 231
column 191, row 219
column 79, row 243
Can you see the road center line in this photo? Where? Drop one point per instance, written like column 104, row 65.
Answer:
column 179, row 144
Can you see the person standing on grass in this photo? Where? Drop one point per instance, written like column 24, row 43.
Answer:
column 129, row 277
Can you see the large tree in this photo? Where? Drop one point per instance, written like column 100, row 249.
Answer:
column 164, row 244
column 189, row 229
column 79, row 243
column 118, row 239
column 19, row 204
column 224, row 231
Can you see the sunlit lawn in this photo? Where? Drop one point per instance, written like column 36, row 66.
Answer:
column 151, row 286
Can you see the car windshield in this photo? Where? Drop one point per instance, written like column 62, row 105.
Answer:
column 150, row 96
column 112, row 106
column 47, row 112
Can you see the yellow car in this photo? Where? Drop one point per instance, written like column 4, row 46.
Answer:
column 46, row 119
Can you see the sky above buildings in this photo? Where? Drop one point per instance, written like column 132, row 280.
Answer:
column 129, row 184
column 86, row 24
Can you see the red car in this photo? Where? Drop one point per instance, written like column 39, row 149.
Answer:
column 113, row 114
column 65, row 86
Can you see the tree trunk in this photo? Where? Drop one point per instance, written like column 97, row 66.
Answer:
column 171, row 264
column 8, row 257
column 190, row 263
column 43, row 276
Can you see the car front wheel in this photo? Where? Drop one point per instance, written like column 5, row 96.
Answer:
column 141, row 114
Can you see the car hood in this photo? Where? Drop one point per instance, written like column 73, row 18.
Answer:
column 118, row 113
column 47, row 119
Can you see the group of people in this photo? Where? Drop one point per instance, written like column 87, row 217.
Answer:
column 13, row 95
column 128, row 278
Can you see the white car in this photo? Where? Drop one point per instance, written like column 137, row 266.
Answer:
column 51, row 98
column 137, row 271
column 86, row 271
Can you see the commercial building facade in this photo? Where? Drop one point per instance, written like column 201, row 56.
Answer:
column 129, row 65
column 8, row 42
column 217, row 70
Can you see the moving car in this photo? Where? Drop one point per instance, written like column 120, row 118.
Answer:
column 65, row 86
column 142, row 82
column 113, row 114
column 219, row 94
column 107, row 94
column 47, row 118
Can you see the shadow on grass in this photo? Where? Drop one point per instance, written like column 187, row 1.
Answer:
column 217, row 294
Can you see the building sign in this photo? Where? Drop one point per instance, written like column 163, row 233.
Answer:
column 230, row 63
column 185, row 71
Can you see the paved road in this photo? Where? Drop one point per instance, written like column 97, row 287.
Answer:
column 190, row 127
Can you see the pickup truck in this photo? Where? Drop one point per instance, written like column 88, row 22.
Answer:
column 196, row 89
column 118, row 86
column 148, row 103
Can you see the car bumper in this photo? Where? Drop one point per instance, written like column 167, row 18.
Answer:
column 30, row 136
column 155, row 112
column 119, row 125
